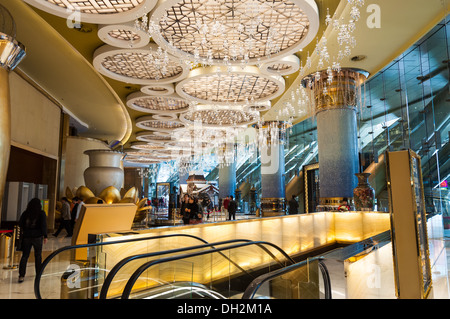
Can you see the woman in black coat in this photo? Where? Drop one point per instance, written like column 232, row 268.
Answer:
column 184, row 213
column 33, row 227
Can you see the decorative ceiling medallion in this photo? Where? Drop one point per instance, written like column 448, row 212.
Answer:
column 210, row 116
column 147, row 146
column 149, row 136
column 258, row 107
column 233, row 85
column 234, row 31
column 148, row 123
column 193, row 134
column 158, row 89
column 284, row 66
column 138, row 66
column 165, row 117
column 156, row 104
column 95, row 11
column 139, row 160
column 132, row 152
column 123, row 35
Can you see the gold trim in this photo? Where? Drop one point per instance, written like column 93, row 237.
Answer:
column 307, row 168
column 425, row 292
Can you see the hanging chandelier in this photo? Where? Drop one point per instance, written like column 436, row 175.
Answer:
column 231, row 32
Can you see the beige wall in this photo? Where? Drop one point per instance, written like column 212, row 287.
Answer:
column 35, row 127
column 35, row 120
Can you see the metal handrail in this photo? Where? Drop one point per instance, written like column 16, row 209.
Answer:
column 47, row 260
column 257, row 282
column 130, row 283
column 113, row 272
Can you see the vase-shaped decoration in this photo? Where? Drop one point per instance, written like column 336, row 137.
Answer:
column 363, row 194
column 104, row 170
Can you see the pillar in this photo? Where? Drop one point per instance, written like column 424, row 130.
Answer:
column 11, row 53
column 273, row 194
column 227, row 179
column 335, row 109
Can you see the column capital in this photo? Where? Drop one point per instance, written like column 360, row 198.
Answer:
column 335, row 89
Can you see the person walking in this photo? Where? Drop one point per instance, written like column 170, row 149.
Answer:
column 183, row 210
column 293, row 206
column 33, row 226
column 65, row 218
column 73, row 212
column 226, row 202
column 232, row 208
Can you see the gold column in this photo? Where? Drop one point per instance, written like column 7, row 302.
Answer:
column 11, row 53
column 5, row 128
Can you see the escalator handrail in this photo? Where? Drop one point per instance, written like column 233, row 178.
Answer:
column 257, row 282
column 47, row 260
column 113, row 272
column 138, row 272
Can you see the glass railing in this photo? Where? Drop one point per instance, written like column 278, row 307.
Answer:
column 77, row 272
column 118, row 276
column 308, row 279
column 221, row 271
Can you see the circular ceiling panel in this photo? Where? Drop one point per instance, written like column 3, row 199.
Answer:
column 220, row 117
column 225, row 86
column 283, row 66
column 158, row 89
column 147, row 147
column 95, row 11
column 150, row 136
column 258, row 107
column 234, row 31
column 123, row 35
column 149, row 123
column 138, row 66
column 157, row 104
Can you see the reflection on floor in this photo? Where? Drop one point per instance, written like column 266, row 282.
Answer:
column 11, row 289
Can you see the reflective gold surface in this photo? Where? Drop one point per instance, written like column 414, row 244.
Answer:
column 110, row 195
column 5, row 128
column 84, row 193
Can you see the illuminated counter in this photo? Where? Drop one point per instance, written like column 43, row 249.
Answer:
column 295, row 234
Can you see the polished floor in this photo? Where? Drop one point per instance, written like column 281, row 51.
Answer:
column 10, row 288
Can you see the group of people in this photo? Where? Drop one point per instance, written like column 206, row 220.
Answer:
column 69, row 216
column 191, row 210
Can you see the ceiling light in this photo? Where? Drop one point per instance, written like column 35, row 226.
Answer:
column 156, row 104
column 144, row 66
column 233, row 31
column 148, row 123
column 96, row 11
column 225, row 86
column 123, row 35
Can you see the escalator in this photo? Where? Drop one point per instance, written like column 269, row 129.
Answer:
column 232, row 269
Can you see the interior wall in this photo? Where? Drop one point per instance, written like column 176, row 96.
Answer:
column 35, row 120
column 35, row 138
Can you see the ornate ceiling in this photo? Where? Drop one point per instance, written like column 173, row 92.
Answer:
column 223, row 63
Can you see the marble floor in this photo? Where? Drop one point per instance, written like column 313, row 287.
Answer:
column 10, row 288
